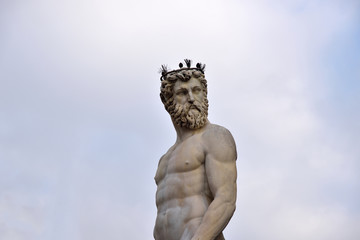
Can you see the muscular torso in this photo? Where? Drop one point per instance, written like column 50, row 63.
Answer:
column 183, row 194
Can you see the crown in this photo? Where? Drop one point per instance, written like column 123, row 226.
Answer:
column 165, row 71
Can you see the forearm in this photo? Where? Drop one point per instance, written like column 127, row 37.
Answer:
column 215, row 219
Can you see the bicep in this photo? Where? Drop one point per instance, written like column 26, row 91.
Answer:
column 220, row 163
column 221, row 174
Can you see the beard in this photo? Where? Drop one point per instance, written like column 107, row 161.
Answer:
column 192, row 116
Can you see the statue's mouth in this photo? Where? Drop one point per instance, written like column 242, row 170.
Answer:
column 193, row 106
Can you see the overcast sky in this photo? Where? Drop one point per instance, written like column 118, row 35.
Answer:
column 82, row 126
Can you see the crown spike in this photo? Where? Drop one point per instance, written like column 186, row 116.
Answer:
column 188, row 62
column 201, row 67
column 164, row 69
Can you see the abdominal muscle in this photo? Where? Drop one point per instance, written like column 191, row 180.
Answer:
column 182, row 201
column 181, row 218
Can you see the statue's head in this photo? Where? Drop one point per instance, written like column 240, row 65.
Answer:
column 184, row 95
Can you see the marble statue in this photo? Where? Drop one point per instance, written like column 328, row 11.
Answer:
column 196, row 178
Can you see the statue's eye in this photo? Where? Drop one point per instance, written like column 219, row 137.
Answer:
column 181, row 92
column 196, row 90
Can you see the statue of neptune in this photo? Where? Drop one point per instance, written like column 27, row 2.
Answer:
column 196, row 178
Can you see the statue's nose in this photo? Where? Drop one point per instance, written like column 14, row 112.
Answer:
column 191, row 98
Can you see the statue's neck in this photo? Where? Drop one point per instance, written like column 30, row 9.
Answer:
column 184, row 133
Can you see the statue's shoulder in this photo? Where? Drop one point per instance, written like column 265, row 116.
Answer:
column 214, row 130
column 169, row 151
column 218, row 137
column 167, row 154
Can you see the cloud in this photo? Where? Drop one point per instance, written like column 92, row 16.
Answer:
column 82, row 127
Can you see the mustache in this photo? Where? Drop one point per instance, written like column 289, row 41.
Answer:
column 194, row 105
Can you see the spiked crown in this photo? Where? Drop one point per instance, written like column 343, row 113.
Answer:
column 165, row 71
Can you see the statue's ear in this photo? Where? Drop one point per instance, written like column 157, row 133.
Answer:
column 162, row 98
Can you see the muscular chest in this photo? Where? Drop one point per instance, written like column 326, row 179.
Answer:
column 184, row 157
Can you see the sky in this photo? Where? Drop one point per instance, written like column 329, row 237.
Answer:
column 82, row 126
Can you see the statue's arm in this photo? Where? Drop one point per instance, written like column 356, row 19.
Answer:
column 221, row 175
